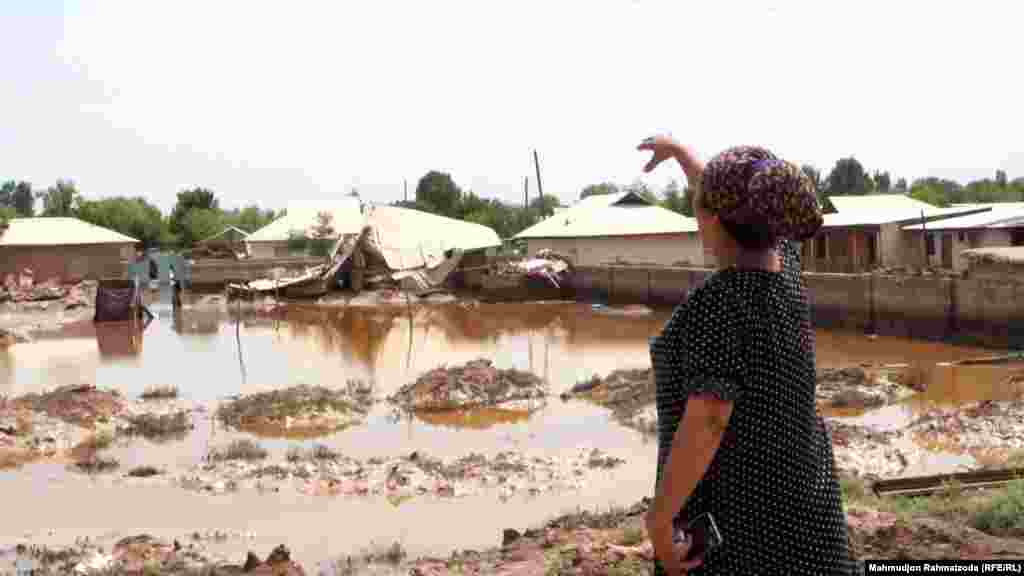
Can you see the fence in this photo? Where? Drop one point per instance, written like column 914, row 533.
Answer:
column 988, row 311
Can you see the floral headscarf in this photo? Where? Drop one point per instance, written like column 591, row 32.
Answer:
column 750, row 185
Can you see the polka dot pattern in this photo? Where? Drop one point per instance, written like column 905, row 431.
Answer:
column 746, row 336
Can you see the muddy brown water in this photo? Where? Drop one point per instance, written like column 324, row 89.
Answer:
column 210, row 354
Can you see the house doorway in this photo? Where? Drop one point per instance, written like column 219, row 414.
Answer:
column 1017, row 237
column 947, row 250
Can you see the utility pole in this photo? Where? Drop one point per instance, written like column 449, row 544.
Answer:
column 405, row 189
column 526, row 192
column 540, row 186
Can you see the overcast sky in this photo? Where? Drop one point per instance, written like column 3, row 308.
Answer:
column 269, row 102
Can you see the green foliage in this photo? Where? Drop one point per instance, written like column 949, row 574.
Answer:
column 251, row 218
column 676, row 199
column 188, row 200
column 930, row 194
column 200, row 224
column 640, row 188
column 440, row 192
column 6, row 215
column 19, row 197
column 7, row 194
column 599, row 189
column 133, row 217
column 62, row 199
column 297, row 243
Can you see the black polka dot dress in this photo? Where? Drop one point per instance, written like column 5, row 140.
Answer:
column 745, row 336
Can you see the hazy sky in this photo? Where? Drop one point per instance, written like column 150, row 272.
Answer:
column 274, row 101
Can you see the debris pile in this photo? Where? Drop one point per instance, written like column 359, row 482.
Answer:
column 983, row 429
column 856, row 387
column 324, row 472
column 145, row 554
column 23, row 288
column 547, row 268
column 300, row 411
column 82, row 405
column 475, row 384
column 628, row 393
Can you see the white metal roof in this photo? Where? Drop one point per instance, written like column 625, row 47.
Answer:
column 411, row 238
column 995, row 217
column 867, row 203
column 994, row 205
column 302, row 217
column 876, row 209
column 47, row 231
column 603, row 218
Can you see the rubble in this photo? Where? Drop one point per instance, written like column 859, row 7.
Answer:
column 145, row 554
column 857, row 387
column 25, row 289
column 990, row 431
column 326, row 473
column 82, row 405
column 300, row 411
column 475, row 384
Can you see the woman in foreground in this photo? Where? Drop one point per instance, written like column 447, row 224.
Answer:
column 738, row 433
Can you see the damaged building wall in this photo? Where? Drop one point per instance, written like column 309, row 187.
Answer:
column 682, row 249
column 69, row 263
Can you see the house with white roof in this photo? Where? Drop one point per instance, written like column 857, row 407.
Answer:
column 866, row 233
column 618, row 229
column 999, row 225
column 67, row 249
column 300, row 219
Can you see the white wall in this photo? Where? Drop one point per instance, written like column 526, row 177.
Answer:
column 675, row 250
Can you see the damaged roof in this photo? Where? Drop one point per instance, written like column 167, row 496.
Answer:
column 608, row 215
column 410, row 238
column 302, row 217
column 53, row 231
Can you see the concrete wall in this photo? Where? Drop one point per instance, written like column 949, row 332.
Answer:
column 981, row 310
column 68, row 263
column 652, row 250
column 206, row 272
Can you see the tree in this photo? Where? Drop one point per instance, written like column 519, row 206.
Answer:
column 883, row 182
column 7, row 194
column 188, row 200
column 23, row 200
column 6, row 215
column 199, row 224
column 814, row 175
column 848, row 177
column 323, row 234
column 930, row 194
column 599, row 189
column 439, row 191
column 133, row 217
column 677, row 200
column 1001, row 178
column 61, row 199
column 901, row 185
column 544, row 206
column 640, row 188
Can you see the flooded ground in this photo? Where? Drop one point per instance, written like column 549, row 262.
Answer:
column 213, row 353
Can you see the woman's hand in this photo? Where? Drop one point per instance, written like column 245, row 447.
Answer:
column 669, row 552
column 664, row 147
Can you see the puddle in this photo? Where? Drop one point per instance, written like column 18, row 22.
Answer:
column 210, row 356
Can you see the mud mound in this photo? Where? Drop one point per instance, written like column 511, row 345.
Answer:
column 327, row 473
column 298, row 412
column 475, row 384
column 81, row 405
column 144, row 554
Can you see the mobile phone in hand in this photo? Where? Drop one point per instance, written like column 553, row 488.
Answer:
column 703, row 534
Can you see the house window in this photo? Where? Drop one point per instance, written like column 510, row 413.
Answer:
column 820, row 246
column 930, row 244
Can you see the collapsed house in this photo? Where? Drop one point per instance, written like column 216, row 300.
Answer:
column 393, row 248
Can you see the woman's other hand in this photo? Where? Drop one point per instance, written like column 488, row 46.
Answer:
column 664, row 147
column 670, row 552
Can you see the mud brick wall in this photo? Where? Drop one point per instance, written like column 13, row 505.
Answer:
column 68, row 263
column 988, row 311
column 215, row 271
column 840, row 300
column 915, row 307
